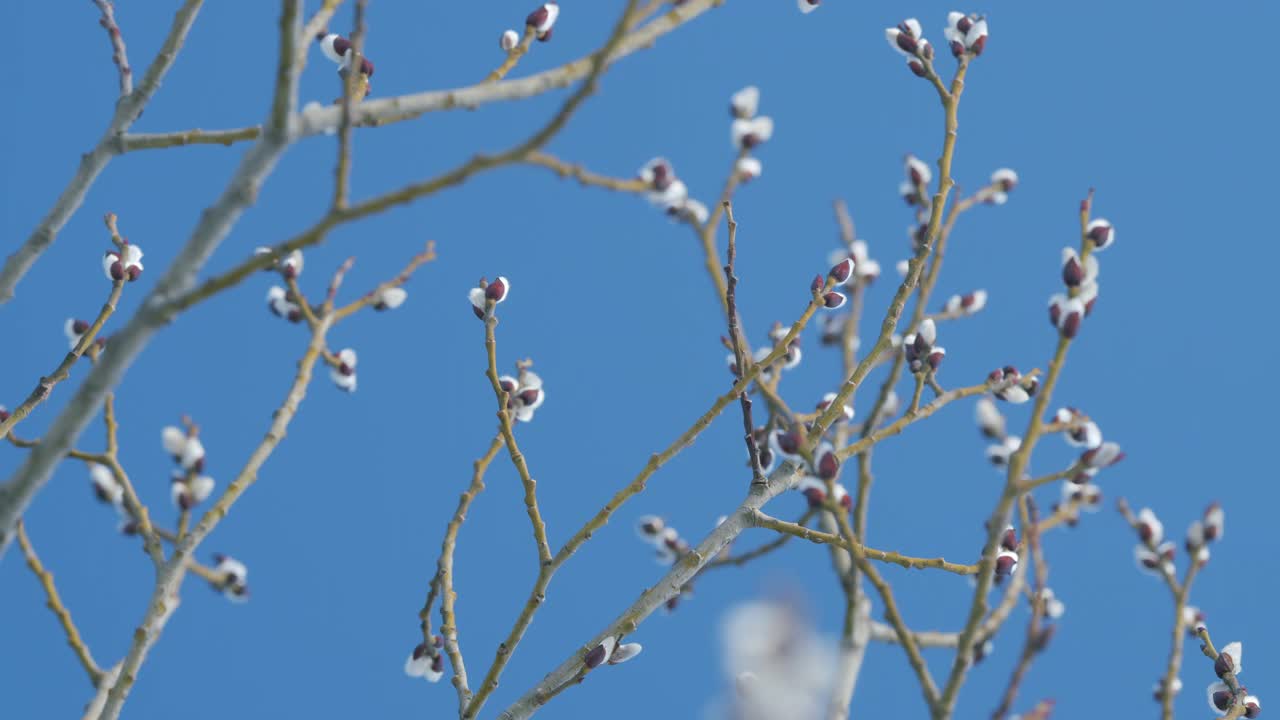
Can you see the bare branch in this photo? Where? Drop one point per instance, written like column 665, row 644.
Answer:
column 997, row 519
column 169, row 578
column 54, row 603
column 63, row 371
column 215, row 223
column 127, row 111
column 119, row 56
column 443, row 582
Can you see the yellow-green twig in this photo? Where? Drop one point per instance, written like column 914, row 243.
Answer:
column 54, row 603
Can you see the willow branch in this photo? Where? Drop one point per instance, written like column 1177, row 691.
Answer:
column 119, row 55
column 513, row 56
column 585, row 177
column 351, row 87
column 63, row 371
column 1037, row 636
column 405, row 107
column 739, row 355
column 538, row 593
column 758, row 552
column 656, row 596
column 886, row 556
column 951, row 104
column 154, row 141
column 996, row 521
column 927, row 686
column 427, row 255
column 508, row 434
column 54, row 602
column 169, row 579
column 897, row 426
column 215, row 223
column 1228, row 678
column 443, row 582
column 1180, row 592
column 127, row 110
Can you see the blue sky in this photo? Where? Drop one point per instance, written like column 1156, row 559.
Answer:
column 612, row 303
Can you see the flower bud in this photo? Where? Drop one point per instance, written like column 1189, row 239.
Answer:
column 1100, row 233
column 601, row 653
column 543, row 19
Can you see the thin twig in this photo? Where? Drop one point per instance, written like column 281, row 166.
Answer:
column 154, row 141
column 547, row 565
column 170, row 576
column 671, row 584
column 747, row 556
column 215, row 223
column 127, row 110
column 54, row 602
column 585, row 177
column 1228, row 678
column 508, row 433
column 740, row 357
column 444, row 578
column 405, row 107
column 513, row 56
column 118, row 53
column 996, row 521
column 886, row 556
column 63, row 371
column 1037, row 636
column 350, row 84
column 1180, row 592
column 427, row 255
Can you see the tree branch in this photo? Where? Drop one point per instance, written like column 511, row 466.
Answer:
column 128, row 108
column 215, row 223
column 118, row 54
column 54, row 603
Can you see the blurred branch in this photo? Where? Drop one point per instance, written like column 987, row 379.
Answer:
column 1180, row 592
column 513, row 56
column 129, row 142
column 54, row 602
column 891, row 612
column 890, row 323
column 405, row 107
column 355, row 85
column 118, row 53
column 385, row 111
column 127, row 110
column 132, row 504
column 427, row 255
column 585, row 177
column 1038, row 636
column 1228, row 678
column 215, row 223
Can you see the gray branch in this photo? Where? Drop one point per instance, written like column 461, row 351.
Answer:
column 852, row 652
column 392, row 109
column 212, row 229
column 655, row 597
column 128, row 108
